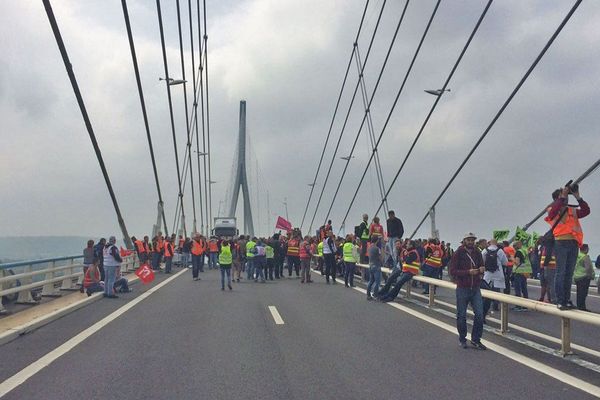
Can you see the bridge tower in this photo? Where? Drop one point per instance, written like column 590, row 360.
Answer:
column 241, row 178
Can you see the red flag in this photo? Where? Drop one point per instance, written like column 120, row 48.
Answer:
column 282, row 223
column 125, row 252
column 145, row 274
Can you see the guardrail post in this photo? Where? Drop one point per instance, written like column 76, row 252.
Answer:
column 431, row 295
column 408, row 290
column 25, row 295
column 48, row 289
column 67, row 283
column 565, row 336
column 503, row 317
column 2, row 287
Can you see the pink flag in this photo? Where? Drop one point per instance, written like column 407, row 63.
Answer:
column 282, row 223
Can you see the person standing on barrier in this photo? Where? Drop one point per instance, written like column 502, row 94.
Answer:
column 568, row 237
column 375, row 264
column 410, row 267
column 494, row 259
column 395, row 231
column 329, row 250
column 583, row 275
column 467, row 268
column 112, row 261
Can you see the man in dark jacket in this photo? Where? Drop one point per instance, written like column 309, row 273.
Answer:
column 395, row 231
column 467, row 268
column 99, row 257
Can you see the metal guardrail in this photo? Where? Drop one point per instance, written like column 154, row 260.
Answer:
column 23, row 283
column 505, row 300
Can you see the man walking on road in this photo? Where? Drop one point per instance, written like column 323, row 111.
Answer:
column 467, row 267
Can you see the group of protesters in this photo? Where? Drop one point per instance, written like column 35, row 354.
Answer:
column 102, row 269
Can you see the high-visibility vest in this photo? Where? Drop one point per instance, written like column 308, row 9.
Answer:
column 249, row 246
column 551, row 264
column 225, row 257
column 160, row 244
column 377, row 230
column 413, row 267
column 213, row 247
column 168, row 249
column 140, row 246
column 88, row 279
column 302, row 251
column 293, row 249
column 270, row 252
column 568, row 228
column 435, row 259
column 320, row 249
column 525, row 268
column 365, row 233
column 348, row 250
column 510, row 254
column 197, row 248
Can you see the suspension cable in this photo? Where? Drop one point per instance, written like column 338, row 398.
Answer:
column 204, row 149
column 499, row 113
column 337, row 104
column 144, row 113
column 407, row 74
column 348, row 114
column 86, row 118
column 207, row 117
column 164, row 53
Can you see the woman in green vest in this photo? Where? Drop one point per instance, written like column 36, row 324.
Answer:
column 351, row 255
column 225, row 261
column 583, row 275
column 521, row 271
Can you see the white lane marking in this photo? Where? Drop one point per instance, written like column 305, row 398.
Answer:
column 32, row 369
column 276, row 316
column 535, row 365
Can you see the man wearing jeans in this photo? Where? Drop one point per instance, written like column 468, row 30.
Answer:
column 467, row 267
column 112, row 261
column 568, row 237
column 375, row 264
column 395, row 231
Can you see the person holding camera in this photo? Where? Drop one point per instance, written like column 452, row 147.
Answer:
column 568, row 237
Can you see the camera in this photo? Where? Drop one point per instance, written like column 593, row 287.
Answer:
column 573, row 188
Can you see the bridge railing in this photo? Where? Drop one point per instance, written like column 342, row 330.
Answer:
column 22, row 277
column 566, row 316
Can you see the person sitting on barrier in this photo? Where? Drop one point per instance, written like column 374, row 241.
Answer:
column 88, row 259
column 410, row 267
column 467, row 268
column 121, row 283
column 583, row 275
column 494, row 259
column 91, row 280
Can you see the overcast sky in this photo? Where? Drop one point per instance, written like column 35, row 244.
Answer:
column 287, row 60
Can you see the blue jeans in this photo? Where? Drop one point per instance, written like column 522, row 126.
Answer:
column 391, row 248
column 196, row 265
column 156, row 261
column 250, row 268
column 185, row 260
column 349, row 273
column 121, row 285
column 212, row 260
column 520, row 282
column 225, row 270
column 259, row 263
column 168, row 264
column 111, row 274
column 464, row 296
column 566, row 257
column 374, row 280
column 430, row 272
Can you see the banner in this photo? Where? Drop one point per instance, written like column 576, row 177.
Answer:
column 534, row 238
column 501, row 235
column 284, row 224
column 125, row 252
column 522, row 236
column 145, row 274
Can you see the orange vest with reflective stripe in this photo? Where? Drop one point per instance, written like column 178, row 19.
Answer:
column 197, row 248
column 510, row 254
column 302, row 251
column 168, row 250
column 293, row 249
column 413, row 267
column 568, row 228
column 140, row 246
column 213, row 247
column 435, row 259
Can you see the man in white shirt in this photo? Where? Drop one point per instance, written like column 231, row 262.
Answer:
column 493, row 272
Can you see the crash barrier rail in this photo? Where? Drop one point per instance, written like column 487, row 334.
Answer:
column 62, row 269
column 566, row 316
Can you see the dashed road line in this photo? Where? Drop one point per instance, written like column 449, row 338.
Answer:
column 276, row 316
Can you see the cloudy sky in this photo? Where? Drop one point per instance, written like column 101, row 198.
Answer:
column 287, row 60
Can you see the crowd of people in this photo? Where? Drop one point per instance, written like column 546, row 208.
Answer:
column 557, row 259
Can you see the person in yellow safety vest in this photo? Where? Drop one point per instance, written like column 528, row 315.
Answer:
column 168, row 253
column 270, row 253
column 583, row 275
column 410, row 267
column 433, row 261
column 363, row 231
column 250, row 245
column 521, row 271
column 225, row 261
column 351, row 253
column 548, row 265
column 320, row 258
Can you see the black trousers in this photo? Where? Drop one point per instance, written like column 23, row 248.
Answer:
column 269, row 268
column 293, row 262
column 330, row 267
column 507, row 278
column 278, row 267
column 583, row 285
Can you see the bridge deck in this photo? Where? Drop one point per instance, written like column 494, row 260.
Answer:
column 189, row 340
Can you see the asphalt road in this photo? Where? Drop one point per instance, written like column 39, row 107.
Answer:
column 190, row 340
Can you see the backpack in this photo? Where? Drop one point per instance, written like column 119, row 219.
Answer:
column 357, row 231
column 491, row 260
